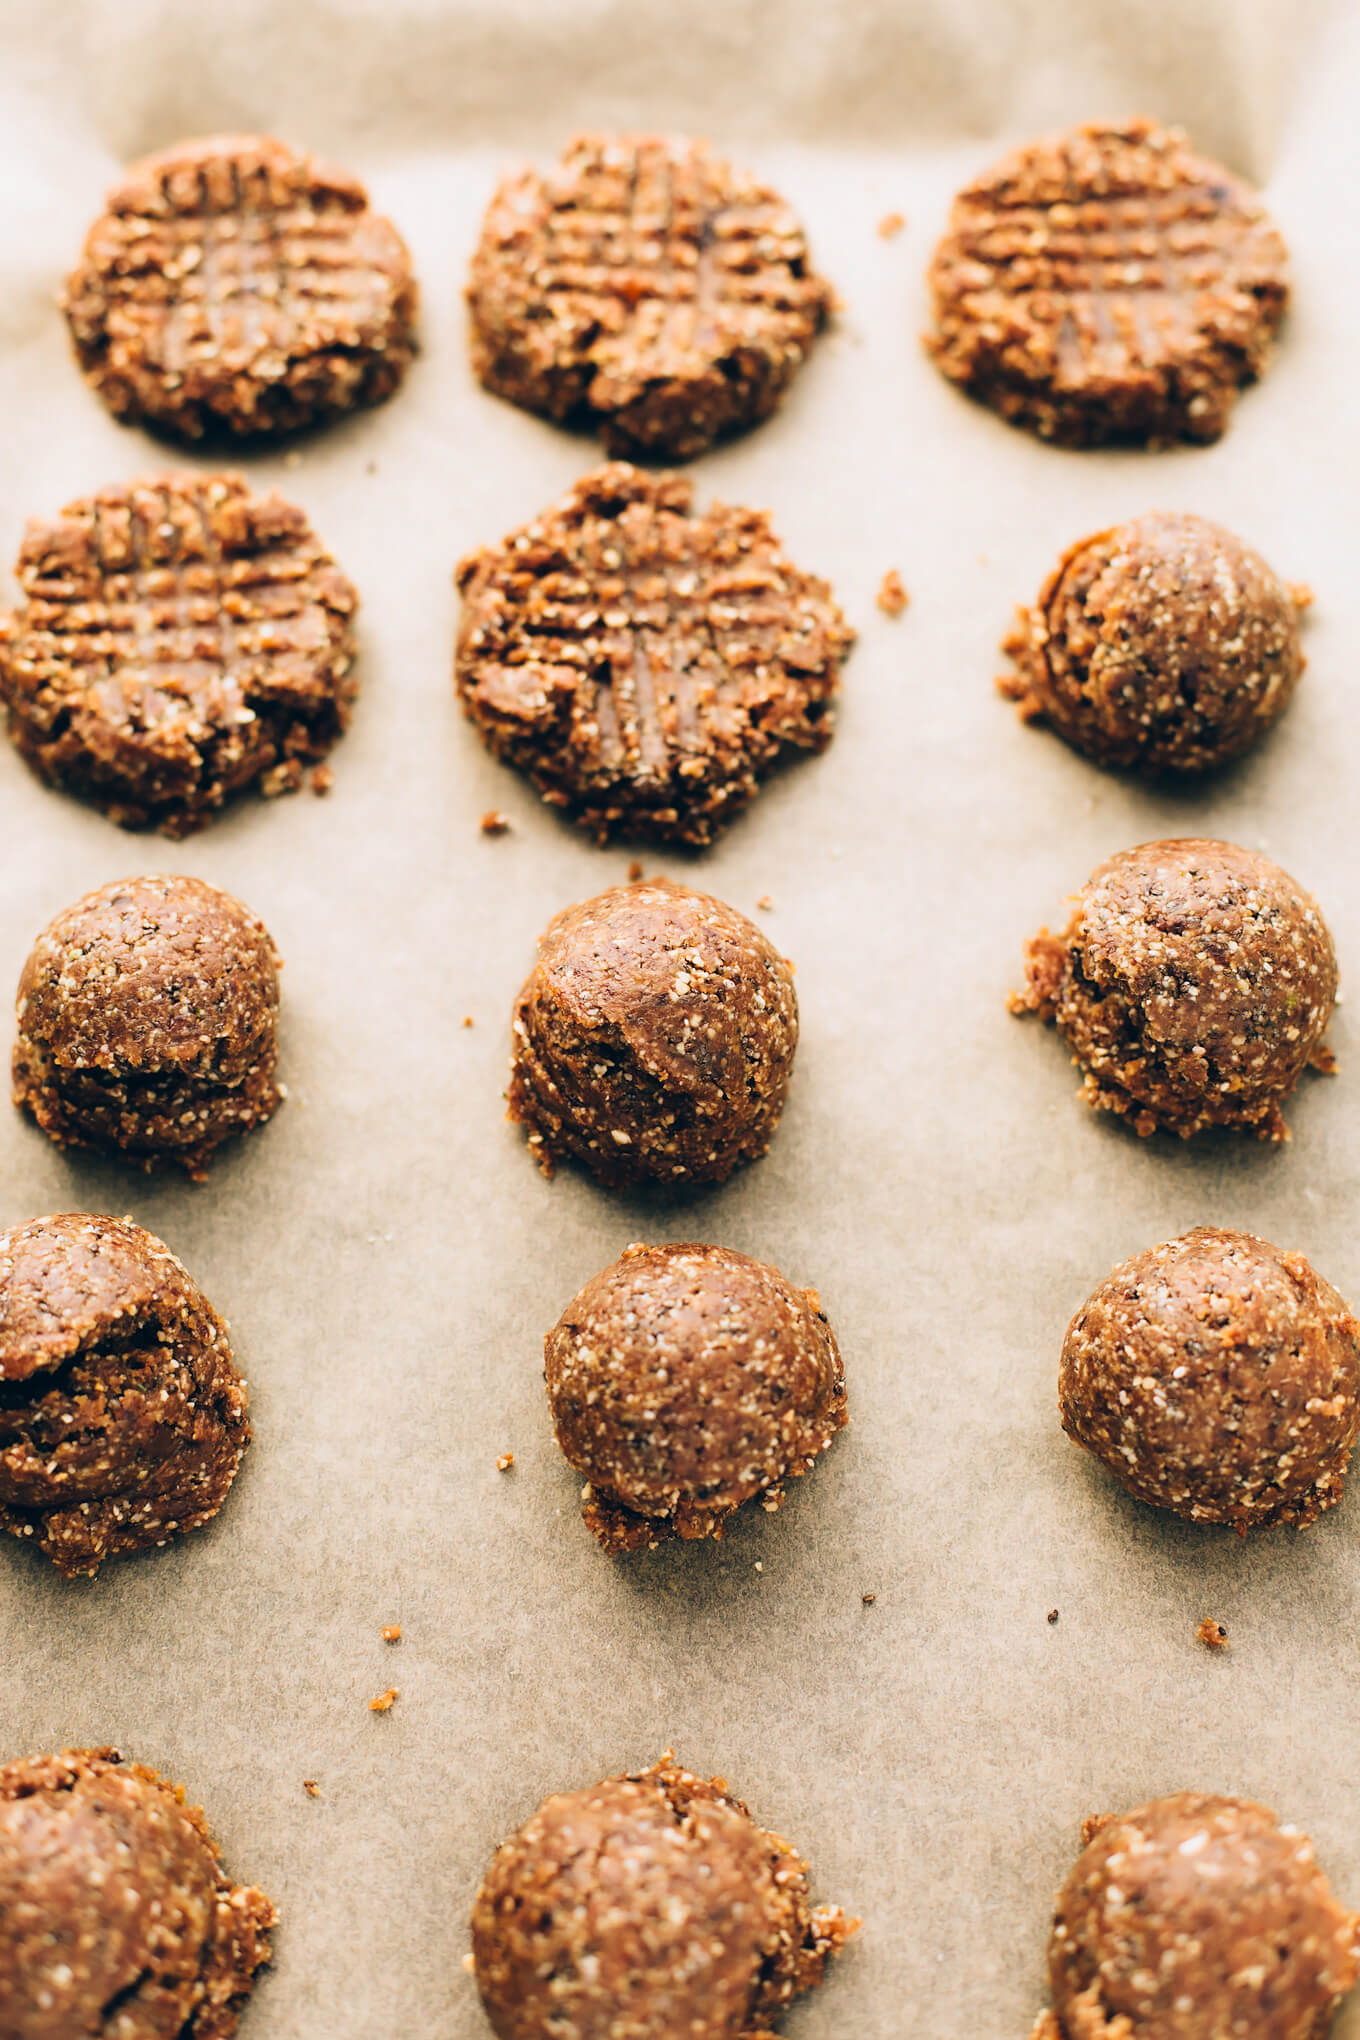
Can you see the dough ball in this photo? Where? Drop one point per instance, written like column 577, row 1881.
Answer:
column 116, row 1917
column 146, row 1022
column 654, row 1038
column 1218, row 1377
column 1165, row 646
column 646, row 1908
column 685, row 1380
column 1193, row 984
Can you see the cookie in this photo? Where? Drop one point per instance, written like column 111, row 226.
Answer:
column 1108, row 284
column 116, row 1916
column 147, row 1023
column 646, row 288
column 235, row 287
column 1217, row 1377
column 122, row 1416
column 643, row 664
column 648, row 1906
column 1195, row 1917
column 685, row 1381
column 1193, row 984
column 179, row 641
column 654, row 1038
column 1162, row 646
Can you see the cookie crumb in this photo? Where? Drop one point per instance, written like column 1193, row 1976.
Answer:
column 765, row 903
column 323, row 779
column 1300, row 594
column 469, row 1963
column 1052, row 1615
column 494, row 823
column 1212, row 1634
column 892, row 598
column 392, row 1633
column 384, row 1702
column 868, row 1599
column 635, row 871
column 891, row 225
column 468, row 1020
column 311, row 1788
column 505, row 1462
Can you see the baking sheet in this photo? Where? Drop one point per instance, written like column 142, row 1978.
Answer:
column 387, row 1255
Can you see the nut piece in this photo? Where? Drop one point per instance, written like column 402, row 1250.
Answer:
column 1108, row 284
column 1193, row 983
column 116, row 1917
column 647, row 1907
column 1165, row 646
column 646, row 287
column 146, row 1022
column 233, row 286
column 1218, row 1377
column 644, row 664
column 684, row 1381
column 654, row 1038
column 180, row 640
column 1192, row 1918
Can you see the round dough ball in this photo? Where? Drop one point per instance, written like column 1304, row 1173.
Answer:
column 116, row 1916
column 234, row 286
column 1193, row 984
column 654, row 1038
column 644, row 1908
column 1165, row 645
column 685, row 1380
column 146, row 1022
column 1108, row 284
column 644, row 287
column 1218, row 1377
column 1196, row 1918
column 122, row 1416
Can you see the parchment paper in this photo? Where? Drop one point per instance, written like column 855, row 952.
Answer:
column 386, row 1253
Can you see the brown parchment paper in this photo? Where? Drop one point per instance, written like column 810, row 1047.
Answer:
column 387, row 1255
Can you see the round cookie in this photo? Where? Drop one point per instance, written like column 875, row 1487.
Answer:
column 233, row 286
column 116, row 1916
column 1164, row 645
column 644, row 287
column 653, row 1039
column 1218, row 1377
column 645, row 666
column 179, row 640
column 1193, row 984
column 1108, row 284
column 647, row 1907
column 147, row 1022
column 122, row 1417
column 1195, row 1917
column 684, row 1381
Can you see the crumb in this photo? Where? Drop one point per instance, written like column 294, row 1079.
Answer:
column 385, row 1702
column 323, row 779
column 505, row 1462
column 494, row 823
column 868, row 1599
column 759, row 1566
column 1212, row 1634
column 311, row 1788
column 892, row 598
column 1301, row 594
column 635, row 871
column 468, row 1020
column 1094, row 1824
column 392, row 1633
column 891, row 225
column 469, row 1963
column 1052, row 1615
column 765, row 903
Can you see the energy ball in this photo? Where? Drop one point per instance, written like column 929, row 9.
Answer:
column 644, row 664
column 646, row 1908
column 1108, row 284
column 1163, row 646
column 1197, row 1918
column 179, row 641
column 146, row 1023
column 116, row 1916
column 684, row 1381
column 1216, row 1376
column 1193, row 984
column 646, row 288
column 653, row 1039
column 235, row 287
column 122, row 1417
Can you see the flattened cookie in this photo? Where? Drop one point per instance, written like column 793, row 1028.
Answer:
column 180, row 640
column 116, row 1916
column 1108, row 284
column 645, row 664
column 147, row 1022
column 647, row 287
column 234, row 286
column 1163, row 646
column 122, row 1416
